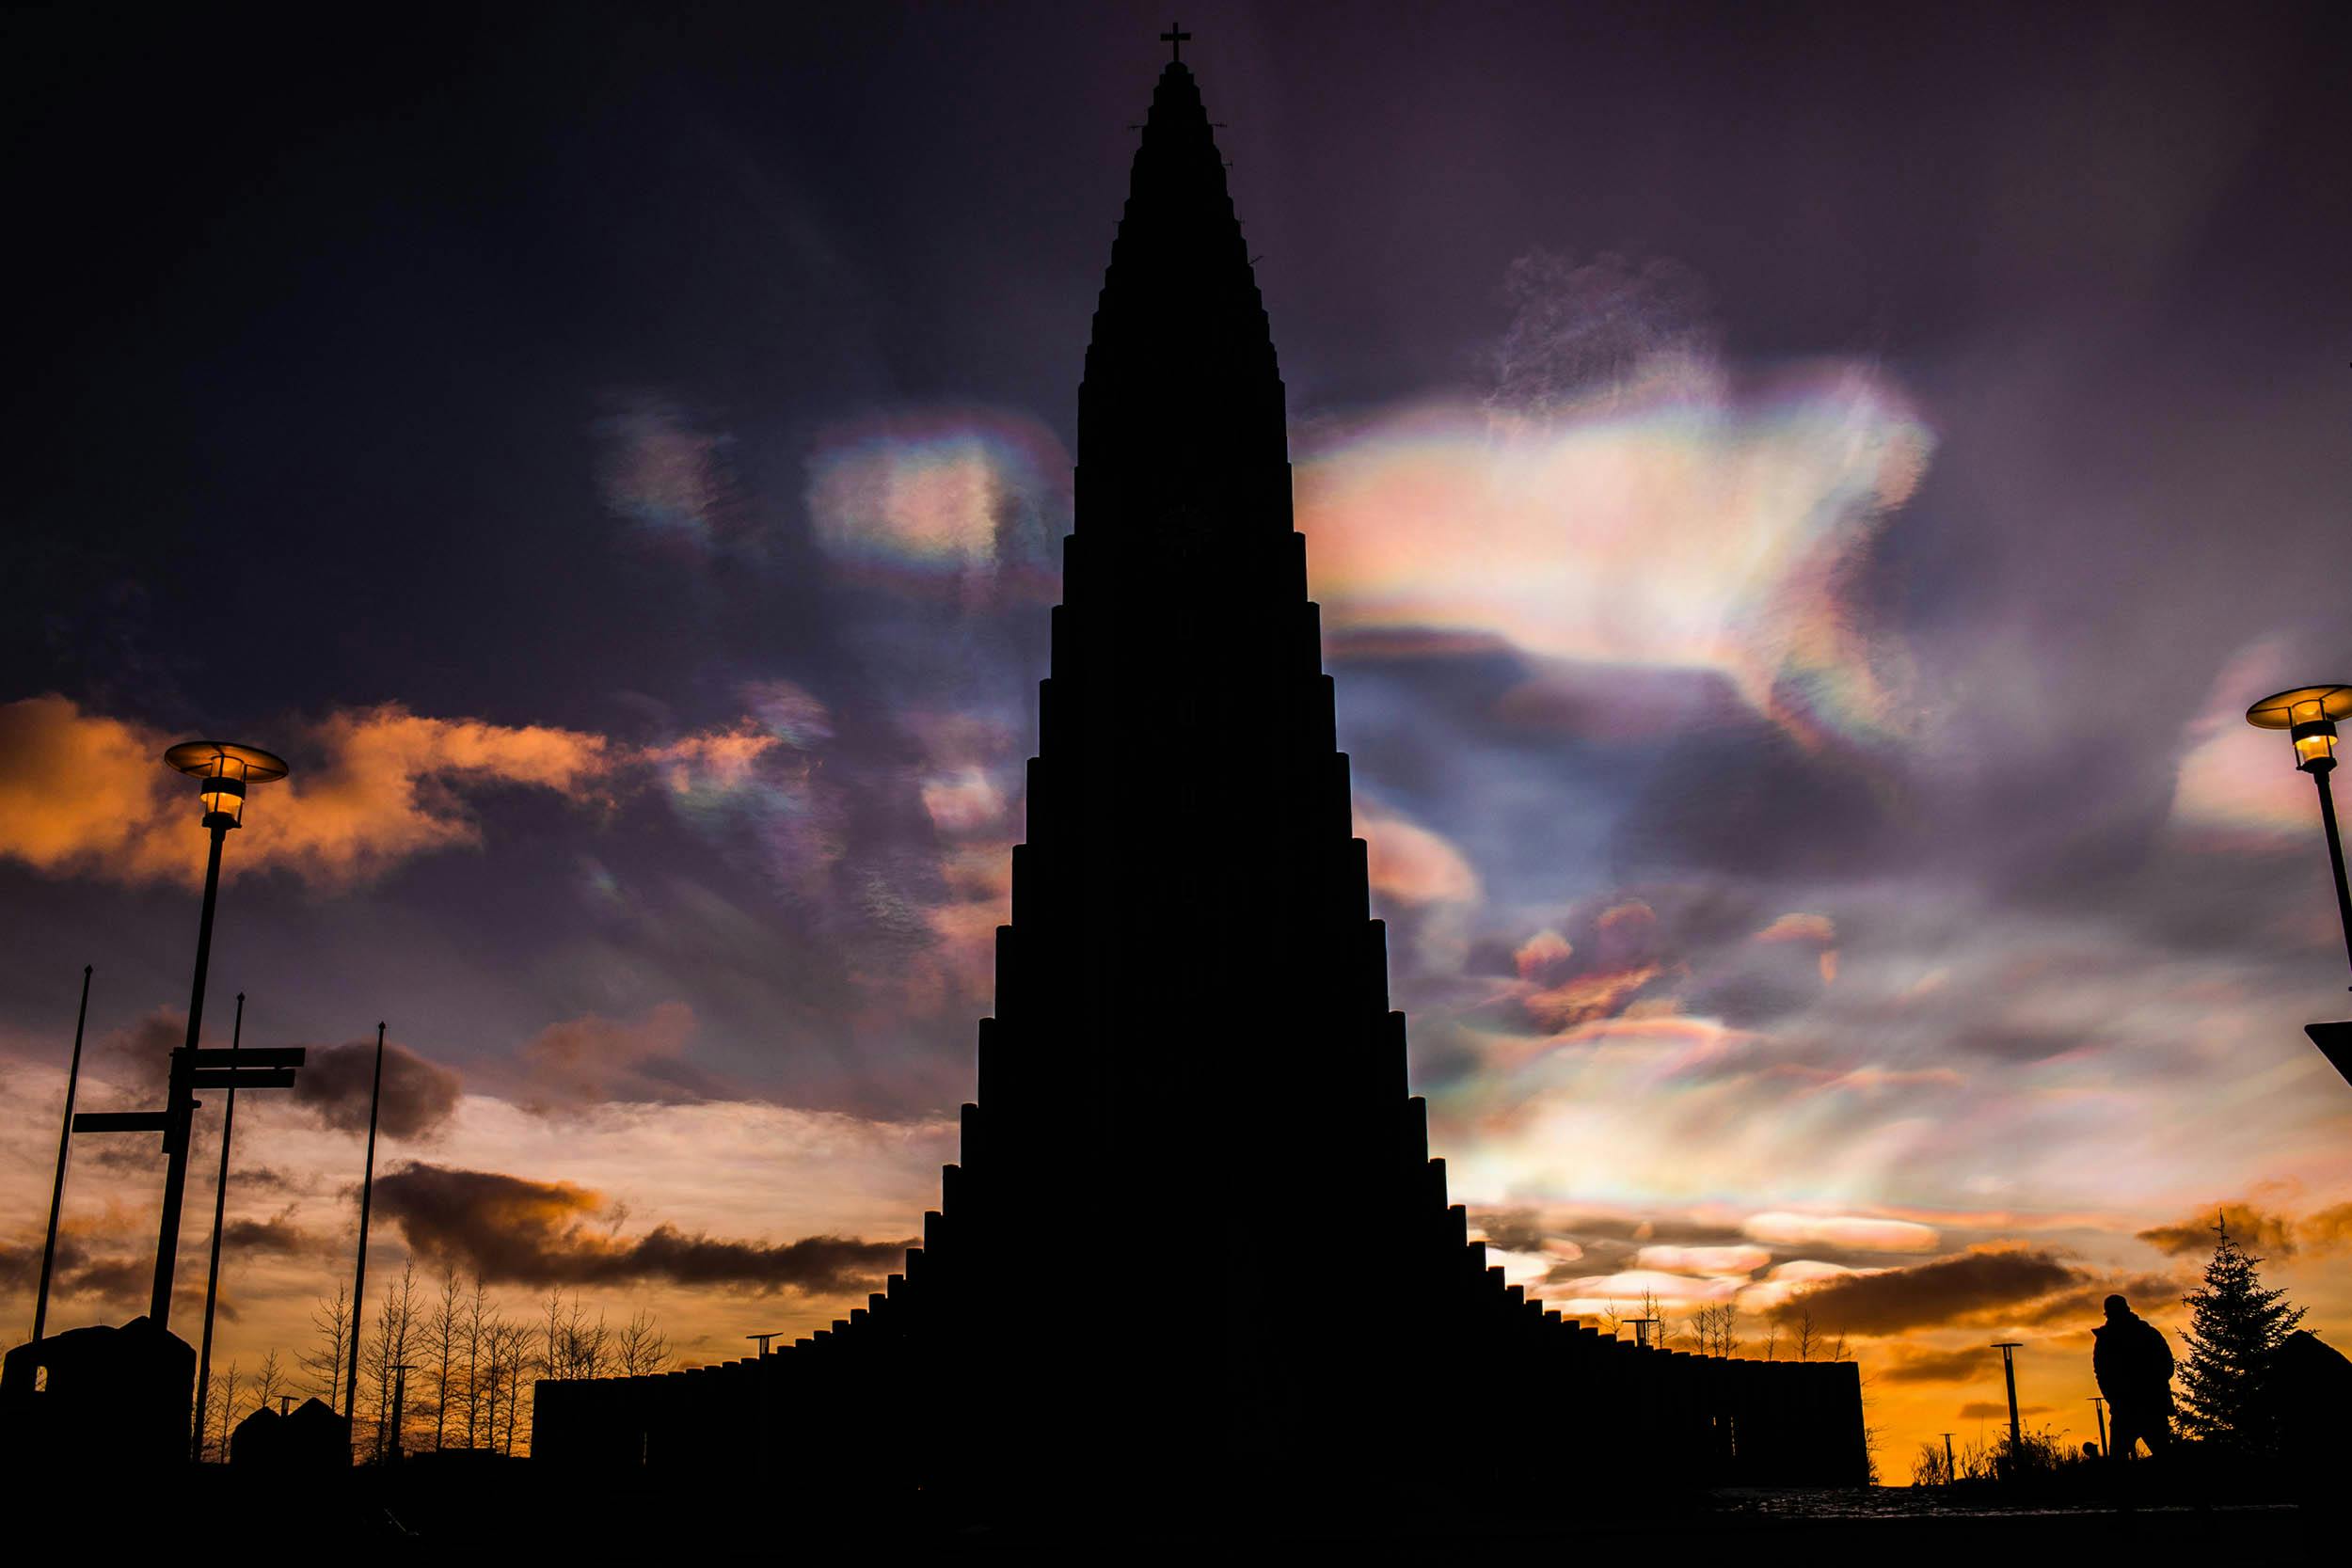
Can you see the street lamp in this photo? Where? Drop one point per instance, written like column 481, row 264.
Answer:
column 2309, row 715
column 226, row 769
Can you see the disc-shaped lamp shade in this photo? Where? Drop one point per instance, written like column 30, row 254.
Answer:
column 2309, row 715
column 226, row 769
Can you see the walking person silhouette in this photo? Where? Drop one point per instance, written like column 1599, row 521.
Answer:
column 2132, row 1363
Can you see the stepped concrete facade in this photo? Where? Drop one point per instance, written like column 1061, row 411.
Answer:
column 1193, row 1076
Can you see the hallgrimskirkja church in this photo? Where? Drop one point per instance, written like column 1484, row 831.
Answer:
column 1193, row 1076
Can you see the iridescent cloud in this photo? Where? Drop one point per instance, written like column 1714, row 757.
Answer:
column 1700, row 530
column 961, row 503
column 665, row 475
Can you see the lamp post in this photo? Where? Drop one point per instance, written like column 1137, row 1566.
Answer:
column 212, row 1275
column 226, row 769
column 65, row 1144
column 359, row 1271
column 2309, row 715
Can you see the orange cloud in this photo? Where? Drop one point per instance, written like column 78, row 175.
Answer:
column 721, row 760
column 512, row 1228
column 1800, row 927
column 85, row 794
column 2262, row 1232
column 1588, row 997
column 79, row 790
column 2327, row 1230
column 1928, row 1364
column 1541, row 955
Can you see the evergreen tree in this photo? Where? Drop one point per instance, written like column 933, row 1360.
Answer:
column 2234, row 1326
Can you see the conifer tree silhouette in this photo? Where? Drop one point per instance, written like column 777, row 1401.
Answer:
column 2236, row 1325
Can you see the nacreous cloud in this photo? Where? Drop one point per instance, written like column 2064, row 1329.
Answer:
column 944, row 502
column 1627, row 506
column 1860, row 1232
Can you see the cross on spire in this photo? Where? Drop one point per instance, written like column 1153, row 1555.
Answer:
column 1176, row 38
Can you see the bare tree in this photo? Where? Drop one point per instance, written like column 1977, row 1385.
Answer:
column 269, row 1383
column 1656, row 1316
column 552, row 1349
column 479, row 1318
column 506, row 1360
column 440, row 1334
column 1808, row 1339
column 486, row 1374
column 220, row 1415
column 586, row 1345
column 640, row 1348
column 514, row 1363
column 395, row 1328
column 1771, row 1342
column 324, row 1360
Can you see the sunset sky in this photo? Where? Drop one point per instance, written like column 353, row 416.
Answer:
column 1801, row 498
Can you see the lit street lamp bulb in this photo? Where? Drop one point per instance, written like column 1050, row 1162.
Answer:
column 2309, row 715
column 226, row 769
column 2315, row 746
column 224, row 797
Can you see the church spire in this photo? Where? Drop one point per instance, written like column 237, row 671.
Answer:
column 1181, row 359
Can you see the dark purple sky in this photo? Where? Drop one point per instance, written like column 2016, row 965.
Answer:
column 1799, row 493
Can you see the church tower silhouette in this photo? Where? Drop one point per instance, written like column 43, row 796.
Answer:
column 1193, row 1076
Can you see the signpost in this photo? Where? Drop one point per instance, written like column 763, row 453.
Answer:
column 192, row 1068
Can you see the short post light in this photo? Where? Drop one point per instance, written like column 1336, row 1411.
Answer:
column 226, row 769
column 2309, row 715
